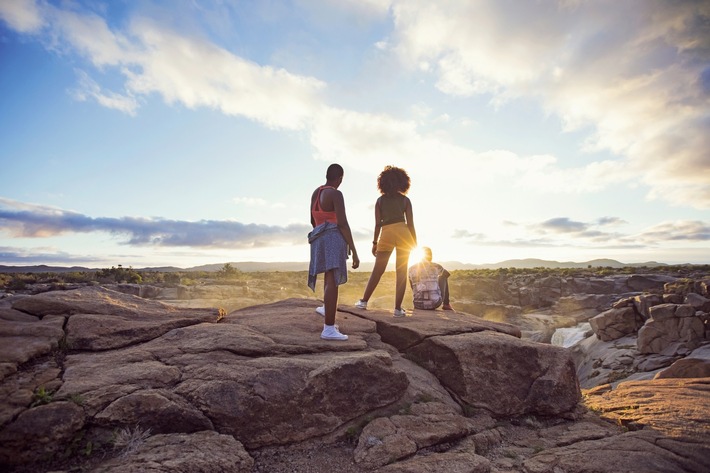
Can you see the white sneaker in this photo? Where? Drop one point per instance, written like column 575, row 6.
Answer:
column 332, row 333
column 321, row 310
column 400, row 313
column 361, row 304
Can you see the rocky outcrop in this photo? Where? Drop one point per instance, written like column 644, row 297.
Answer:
column 167, row 453
column 126, row 384
column 672, row 330
column 521, row 377
column 616, row 323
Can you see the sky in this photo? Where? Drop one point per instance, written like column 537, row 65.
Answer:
column 184, row 132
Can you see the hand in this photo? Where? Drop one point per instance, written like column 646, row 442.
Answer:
column 374, row 249
column 356, row 261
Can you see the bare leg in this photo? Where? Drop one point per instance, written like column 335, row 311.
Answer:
column 330, row 297
column 378, row 270
column 401, row 271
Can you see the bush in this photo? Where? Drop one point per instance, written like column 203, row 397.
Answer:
column 120, row 274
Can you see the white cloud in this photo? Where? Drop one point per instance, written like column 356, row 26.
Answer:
column 633, row 71
column 169, row 66
column 181, row 69
column 22, row 15
column 88, row 88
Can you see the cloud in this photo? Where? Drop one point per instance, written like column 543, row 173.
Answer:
column 21, row 15
column 604, row 221
column 562, row 225
column 465, row 234
column 682, row 230
column 154, row 59
column 22, row 220
column 12, row 255
column 88, row 88
column 636, row 73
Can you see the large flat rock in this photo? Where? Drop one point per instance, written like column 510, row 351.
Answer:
column 405, row 332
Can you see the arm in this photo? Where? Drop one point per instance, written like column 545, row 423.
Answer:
column 343, row 226
column 310, row 210
column 410, row 219
column 378, row 227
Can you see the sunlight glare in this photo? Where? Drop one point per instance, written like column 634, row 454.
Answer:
column 416, row 255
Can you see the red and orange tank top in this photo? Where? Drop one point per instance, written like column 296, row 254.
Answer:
column 319, row 215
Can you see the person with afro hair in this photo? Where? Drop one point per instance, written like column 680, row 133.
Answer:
column 394, row 230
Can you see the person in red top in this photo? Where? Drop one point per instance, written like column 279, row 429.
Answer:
column 331, row 242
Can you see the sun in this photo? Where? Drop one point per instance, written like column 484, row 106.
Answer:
column 416, row 255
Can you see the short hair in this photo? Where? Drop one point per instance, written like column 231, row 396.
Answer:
column 334, row 171
column 426, row 253
column 393, row 180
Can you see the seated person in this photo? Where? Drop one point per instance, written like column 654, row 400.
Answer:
column 430, row 283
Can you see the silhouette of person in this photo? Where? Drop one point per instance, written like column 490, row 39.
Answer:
column 331, row 242
column 430, row 283
column 394, row 229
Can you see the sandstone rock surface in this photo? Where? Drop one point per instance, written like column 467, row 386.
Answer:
column 257, row 390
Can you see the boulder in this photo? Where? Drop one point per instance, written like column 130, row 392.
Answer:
column 502, row 374
column 40, row 432
column 274, row 401
column 423, row 324
column 649, row 282
column 698, row 302
column 644, row 303
column 259, row 400
column 673, row 329
column 387, row 439
column 673, row 298
column 686, row 368
column 23, row 339
column 631, row 452
column 616, row 323
column 168, row 453
column 695, row 365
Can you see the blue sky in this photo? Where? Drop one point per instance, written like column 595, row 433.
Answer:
column 168, row 132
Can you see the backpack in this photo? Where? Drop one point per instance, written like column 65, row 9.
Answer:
column 425, row 286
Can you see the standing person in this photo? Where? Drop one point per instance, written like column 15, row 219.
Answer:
column 393, row 217
column 430, row 283
column 331, row 242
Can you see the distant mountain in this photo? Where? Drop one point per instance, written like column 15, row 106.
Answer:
column 42, row 268
column 163, row 269
column 255, row 266
column 539, row 263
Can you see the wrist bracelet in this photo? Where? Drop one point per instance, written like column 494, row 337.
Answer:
column 374, row 242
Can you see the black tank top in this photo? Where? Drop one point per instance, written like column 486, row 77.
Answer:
column 392, row 209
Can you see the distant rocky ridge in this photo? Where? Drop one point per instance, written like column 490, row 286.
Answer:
column 113, row 382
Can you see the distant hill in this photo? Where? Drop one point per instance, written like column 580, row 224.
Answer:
column 539, row 263
column 255, row 266
column 42, row 268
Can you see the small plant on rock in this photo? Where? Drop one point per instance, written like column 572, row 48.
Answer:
column 41, row 396
column 129, row 440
